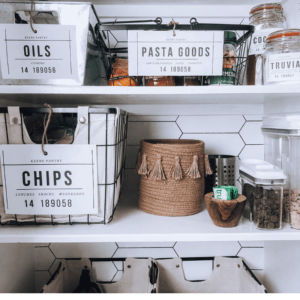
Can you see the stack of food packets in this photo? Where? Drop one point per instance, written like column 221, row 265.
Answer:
column 225, row 192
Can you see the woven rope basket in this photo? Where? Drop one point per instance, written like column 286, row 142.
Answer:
column 172, row 177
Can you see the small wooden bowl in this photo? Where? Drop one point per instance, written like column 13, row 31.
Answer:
column 225, row 213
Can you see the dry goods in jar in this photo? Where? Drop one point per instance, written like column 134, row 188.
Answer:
column 295, row 209
column 267, row 208
column 266, row 18
column 159, row 81
column 187, row 80
column 286, row 206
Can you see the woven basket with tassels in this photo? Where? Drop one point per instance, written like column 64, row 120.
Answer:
column 172, row 176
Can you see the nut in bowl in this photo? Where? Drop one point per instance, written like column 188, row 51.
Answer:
column 225, row 213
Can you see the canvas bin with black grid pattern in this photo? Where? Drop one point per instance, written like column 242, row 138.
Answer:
column 105, row 127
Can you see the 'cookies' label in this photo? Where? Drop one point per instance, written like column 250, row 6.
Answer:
column 258, row 40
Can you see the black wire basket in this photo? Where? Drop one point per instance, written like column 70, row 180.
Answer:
column 112, row 46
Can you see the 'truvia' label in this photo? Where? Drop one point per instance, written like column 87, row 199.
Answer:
column 283, row 67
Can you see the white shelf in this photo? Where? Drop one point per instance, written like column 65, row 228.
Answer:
column 166, row 2
column 33, row 95
column 132, row 225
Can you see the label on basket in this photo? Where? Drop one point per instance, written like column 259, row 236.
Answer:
column 48, row 54
column 189, row 53
column 61, row 183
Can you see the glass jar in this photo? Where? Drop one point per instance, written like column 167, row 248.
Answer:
column 188, row 80
column 262, row 184
column 159, row 81
column 266, row 18
column 282, row 58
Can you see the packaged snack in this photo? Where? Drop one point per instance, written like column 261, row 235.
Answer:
column 235, row 192
column 120, row 73
column 232, row 192
column 222, row 193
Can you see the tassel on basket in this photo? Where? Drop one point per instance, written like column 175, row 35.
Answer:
column 176, row 171
column 193, row 170
column 143, row 169
column 157, row 171
column 138, row 161
column 208, row 170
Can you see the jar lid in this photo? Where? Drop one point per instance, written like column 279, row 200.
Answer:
column 260, row 169
column 282, row 34
column 259, row 8
column 282, row 121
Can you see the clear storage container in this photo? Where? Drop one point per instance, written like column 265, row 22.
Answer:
column 282, row 58
column 266, row 18
column 262, row 184
column 295, row 180
column 277, row 153
column 282, row 141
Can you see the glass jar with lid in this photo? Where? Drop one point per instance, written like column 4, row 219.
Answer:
column 266, row 18
column 159, row 81
column 282, row 58
column 188, row 80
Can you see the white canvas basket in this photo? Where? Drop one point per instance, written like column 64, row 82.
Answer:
column 104, row 127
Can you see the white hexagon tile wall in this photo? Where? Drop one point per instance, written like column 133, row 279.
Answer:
column 237, row 135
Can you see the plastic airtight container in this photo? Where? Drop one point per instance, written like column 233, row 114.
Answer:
column 262, row 184
column 282, row 141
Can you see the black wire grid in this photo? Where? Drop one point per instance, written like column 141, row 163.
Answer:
column 110, row 45
column 119, row 145
column 153, row 271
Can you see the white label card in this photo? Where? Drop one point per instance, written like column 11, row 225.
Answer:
column 159, row 53
column 48, row 54
column 283, row 67
column 258, row 40
column 61, row 183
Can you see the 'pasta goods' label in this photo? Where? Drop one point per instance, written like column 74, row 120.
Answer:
column 258, row 40
column 188, row 53
column 283, row 67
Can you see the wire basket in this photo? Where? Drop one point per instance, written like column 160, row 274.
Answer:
column 111, row 125
column 112, row 38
